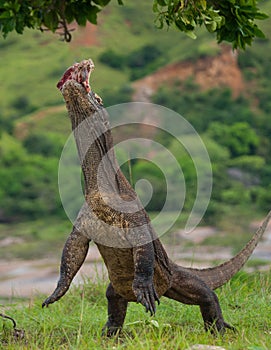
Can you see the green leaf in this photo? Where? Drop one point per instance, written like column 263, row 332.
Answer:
column 260, row 15
column 258, row 32
column 8, row 26
column 155, row 7
column 51, row 20
column 179, row 23
column 102, row 3
column 203, row 4
column 69, row 14
column 92, row 14
column 161, row 2
column 6, row 14
column 159, row 23
column 191, row 35
column 81, row 18
column 16, row 7
column 20, row 24
column 211, row 26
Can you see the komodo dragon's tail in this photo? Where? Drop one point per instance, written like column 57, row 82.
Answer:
column 216, row 276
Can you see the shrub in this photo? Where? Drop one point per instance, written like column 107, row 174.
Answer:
column 112, row 59
column 48, row 145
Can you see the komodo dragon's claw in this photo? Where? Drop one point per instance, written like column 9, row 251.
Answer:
column 146, row 295
column 53, row 298
column 47, row 302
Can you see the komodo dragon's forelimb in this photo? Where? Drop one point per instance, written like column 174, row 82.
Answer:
column 143, row 287
column 73, row 256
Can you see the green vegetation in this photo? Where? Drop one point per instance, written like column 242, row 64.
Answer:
column 75, row 322
column 233, row 131
column 140, row 62
column 233, row 21
column 28, row 182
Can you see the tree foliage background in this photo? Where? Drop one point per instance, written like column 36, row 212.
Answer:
column 229, row 20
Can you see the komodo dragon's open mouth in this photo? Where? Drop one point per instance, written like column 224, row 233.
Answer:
column 79, row 72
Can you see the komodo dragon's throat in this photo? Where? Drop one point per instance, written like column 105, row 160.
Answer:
column 138, row 266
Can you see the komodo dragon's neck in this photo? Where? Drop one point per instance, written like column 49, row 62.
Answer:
column 94, row 141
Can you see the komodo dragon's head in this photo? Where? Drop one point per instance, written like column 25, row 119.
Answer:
column 80, row 72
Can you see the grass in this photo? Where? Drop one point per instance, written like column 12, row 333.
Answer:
column 75, row 322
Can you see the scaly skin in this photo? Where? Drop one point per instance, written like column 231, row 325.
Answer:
column 138, row 266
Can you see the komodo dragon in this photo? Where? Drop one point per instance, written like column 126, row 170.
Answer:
column 113, row 217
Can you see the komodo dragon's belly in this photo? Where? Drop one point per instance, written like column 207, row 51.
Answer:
column 120, row 266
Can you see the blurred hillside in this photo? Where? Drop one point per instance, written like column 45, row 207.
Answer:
column 225, row 96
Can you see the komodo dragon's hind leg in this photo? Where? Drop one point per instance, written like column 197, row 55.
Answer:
column 73, row 256
column 117, row 307
column 189, row 289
